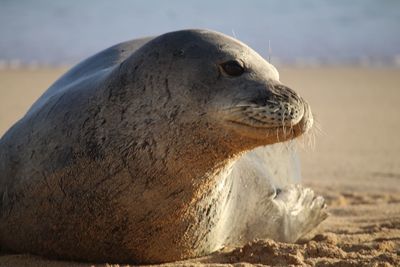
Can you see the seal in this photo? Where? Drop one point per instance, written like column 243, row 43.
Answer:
column 156, row 150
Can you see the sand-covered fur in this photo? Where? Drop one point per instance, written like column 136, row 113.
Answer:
column 361, row 188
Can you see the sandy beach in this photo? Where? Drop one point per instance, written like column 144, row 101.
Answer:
column 354, row 164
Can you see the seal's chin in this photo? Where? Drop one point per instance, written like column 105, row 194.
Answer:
column 258, row 122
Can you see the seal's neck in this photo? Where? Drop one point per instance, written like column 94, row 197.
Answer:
column 198, row 154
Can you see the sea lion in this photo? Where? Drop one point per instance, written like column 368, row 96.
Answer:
column 146, row 153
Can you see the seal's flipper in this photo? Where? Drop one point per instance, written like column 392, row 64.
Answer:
column 301, row 212
column 272, row 205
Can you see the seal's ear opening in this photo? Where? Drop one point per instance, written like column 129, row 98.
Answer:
column 232, row 68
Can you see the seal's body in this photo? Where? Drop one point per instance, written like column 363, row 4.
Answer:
column 146, row 152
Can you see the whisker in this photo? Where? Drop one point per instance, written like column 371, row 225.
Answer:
column 234, row 33
column 277, row 134
column 318, row 128
column 283, row 123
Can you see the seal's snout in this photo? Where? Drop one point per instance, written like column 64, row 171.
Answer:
column 275, row 113
column 288, row 106
column 292, row 110
column 277, row 105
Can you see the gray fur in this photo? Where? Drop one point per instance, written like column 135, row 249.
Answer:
column 144, row 153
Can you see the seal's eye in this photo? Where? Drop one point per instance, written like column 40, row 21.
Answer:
column 232, row 68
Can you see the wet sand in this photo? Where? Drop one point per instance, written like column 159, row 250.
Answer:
column 355, row 165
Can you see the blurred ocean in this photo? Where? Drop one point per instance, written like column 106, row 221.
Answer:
column 308, row 32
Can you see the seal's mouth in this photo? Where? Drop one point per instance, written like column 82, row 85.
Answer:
column 274, row 122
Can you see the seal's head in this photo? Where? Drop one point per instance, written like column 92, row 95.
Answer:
column 220, row 83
